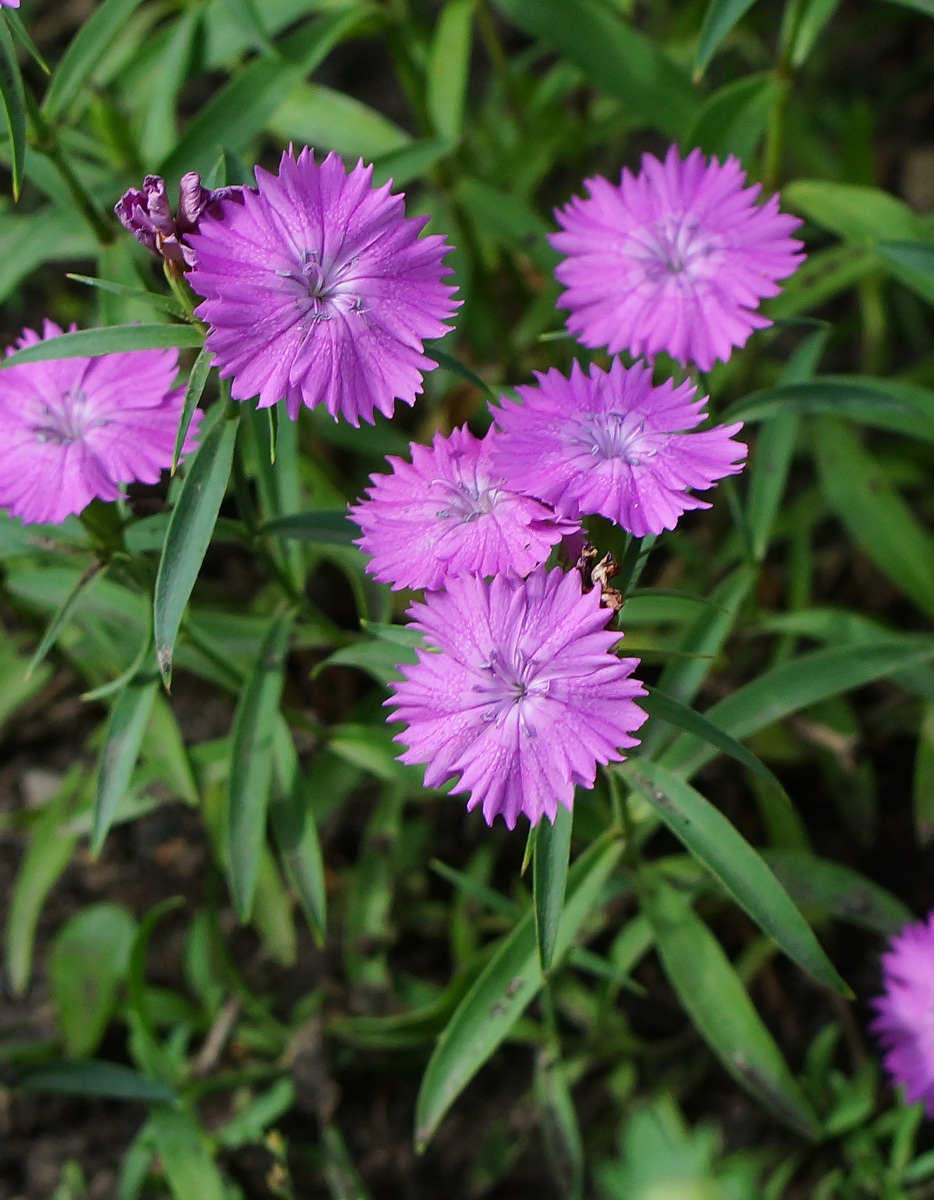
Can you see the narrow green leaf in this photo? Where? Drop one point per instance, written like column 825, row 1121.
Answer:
column 794, row 685
column 87, row 962
column 115, row 339
column 13, row 98
column 810, row 25
column 87, row 48
column 329, row 527
column 448, row 363
column 21, row 33
column 409, row 162
column 193, row 392
column 561, row 1134
column 838, row 891
column 719, row 19
column 886, row 402
column 873, row 512
column 549, row 875
column 502, row 992
column 146, row 1046
column 923, row 783
column 60, row 619
column 166, row 303
column 613, row 56
column 49, row 234
column 296, row 834
column 723, row 850
column 449, row 67
column 912, row 263
column 251, row 761
column 734, row 119
column 189, row 1167
column 665, row 708
column 49, row 853
column 314, row 115
column 855, row 212
column 720, row 1008
column 239, row 111
column 247, row 14
column 95, row 1077
column 125, row 729
column 189, row 535
column 166, row 78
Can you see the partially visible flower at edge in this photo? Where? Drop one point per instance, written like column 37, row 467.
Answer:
column 448, row 512
column 676, row 258
column 522, row 695
column 75, row 428
column 147, row 215
column 611, row 443
column 9, row 3
column 320, row 290
column 905, row 1011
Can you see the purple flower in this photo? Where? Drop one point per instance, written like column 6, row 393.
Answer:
column 75, row 428
column 9, row 3
column 676, row 258
column 147, row 215
column 320, row 290
column 522, row 698
column 905, row 1021
column 448, row 513
column 608, row 443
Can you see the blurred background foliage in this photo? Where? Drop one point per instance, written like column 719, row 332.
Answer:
column 151, row 1044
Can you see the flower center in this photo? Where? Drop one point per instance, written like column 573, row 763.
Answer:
column 607, row 436
column 464, row 502
column 65, row 420
column 508, row 682
column 321, row 289
column 677, row 245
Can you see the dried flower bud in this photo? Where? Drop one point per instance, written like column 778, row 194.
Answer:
column 147, row 215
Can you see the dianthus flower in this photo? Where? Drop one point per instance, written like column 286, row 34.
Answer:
column 76, row 428
column 609, row 443
column 320, row 290
column 905, row 1020
column 9, row 3
column 448, row 512
column 147, row 215
column 521, row 696
column 676, row 258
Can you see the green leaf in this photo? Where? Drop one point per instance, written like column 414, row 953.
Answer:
column 329, row 527
column 923, row 783
column 613, row 56
column 886, row 402
column 115, row 339
column 13, row 99
column 86, row 50
column 189, row 535
column 189, row 1167
column 166, row 303
column 823, row 275
column 49, row 853
column 549, row 875
column 561, row 1135
column 912, row 263
column 60, row 619
column 734, row 119
column 381, row 659
column 873, row 512
column 448, row 363
column 240, row 110
column 860, row 214
column 314, row 115
column 87, row 962
column 715, row 842
column 837, row 891
column 95, row 1077
column 247, row 15
column 251, row 760
column 44, row 236
column 794, row 685
column 502, row 992
column 719, row 19
column 720, row 1008
column 15, row 22
column 128, row 719
column 665, row 708
column 810, row 25
column 449, row 68
column 194, row 389
column 410, row 162
column 293, row 825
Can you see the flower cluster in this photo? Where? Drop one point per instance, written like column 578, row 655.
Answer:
column 318, row 290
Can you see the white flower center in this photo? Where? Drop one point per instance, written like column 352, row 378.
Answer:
column 607, row 436
column 508, row 683
column 323, row 288
column 465, row 502
column 65, row 420
column 678, row 245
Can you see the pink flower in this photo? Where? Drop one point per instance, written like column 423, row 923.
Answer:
column 76, row 428
column 609, row 443
column 9, row 3
column 447, row 513
column 521, row 696
column 905, row 1021
column 676, row 258
column 319, row 289
column 146, row 213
